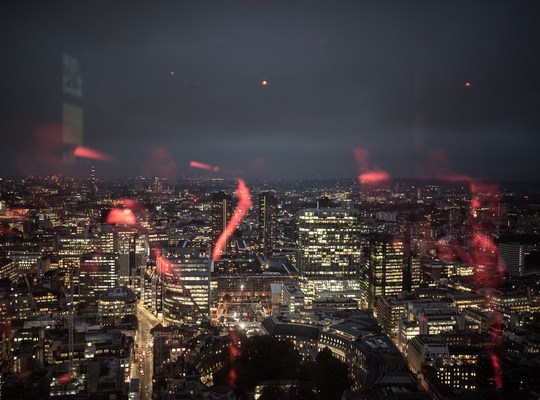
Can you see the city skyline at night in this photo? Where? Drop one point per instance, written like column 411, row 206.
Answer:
column 270, row 199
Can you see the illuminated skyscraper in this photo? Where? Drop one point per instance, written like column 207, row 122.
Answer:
column 267, row 221
column 512, row 257
column 93, row 183
column 98, row 273
column 329, row 241
column 383, row 275
column 221, row 212
column 132, row 251
column 185, row 275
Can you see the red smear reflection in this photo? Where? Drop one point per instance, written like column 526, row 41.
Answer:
column 130, row 203
column 64, row 379
column 244, row 204
column 367, row 174
column 160, row 164
column 483, row 251
column 200, row 165
column 87, row 152
column 234, row 352
column 121, row 216
column 6, row 231
column 48, row 155
column 163, row 265
column 371, row 177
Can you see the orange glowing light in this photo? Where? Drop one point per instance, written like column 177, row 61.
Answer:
column 264, row 82
column 121, row 216
column 467, row 84
column 244, row 204
column 86, row 152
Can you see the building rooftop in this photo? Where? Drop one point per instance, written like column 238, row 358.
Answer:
column 118, row 293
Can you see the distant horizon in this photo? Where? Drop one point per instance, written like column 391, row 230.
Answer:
column 257, row 179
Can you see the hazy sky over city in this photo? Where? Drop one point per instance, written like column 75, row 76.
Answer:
column 423, row 86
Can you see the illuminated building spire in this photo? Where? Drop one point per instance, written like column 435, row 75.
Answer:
column 93, row 181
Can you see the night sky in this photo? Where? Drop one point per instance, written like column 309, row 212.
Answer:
column 425, row 87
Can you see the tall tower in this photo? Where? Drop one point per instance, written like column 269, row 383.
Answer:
column 93, row 182
column 384, row 273
column 329, row 241
column 221, row 212
column 267, row 221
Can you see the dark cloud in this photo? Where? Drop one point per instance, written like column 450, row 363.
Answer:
column 185, row 77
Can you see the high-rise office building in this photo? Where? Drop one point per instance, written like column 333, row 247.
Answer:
column 185, row 276
column 132, row 251
column 108, row 239
column 512, row 257
column 329, row 242
column 383, row 275
column 93, row 186
column 98, row 273
column 267, row 221
column 222, row 208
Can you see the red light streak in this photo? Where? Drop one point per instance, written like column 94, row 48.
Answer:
column 87, row 152
column 244, row 204
column 200, row 165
